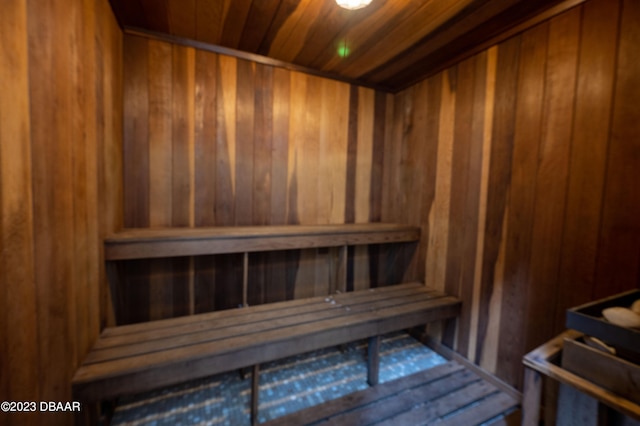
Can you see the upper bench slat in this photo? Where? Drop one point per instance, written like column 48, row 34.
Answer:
column 145, row 243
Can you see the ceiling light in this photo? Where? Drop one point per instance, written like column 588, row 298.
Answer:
column 353, row 4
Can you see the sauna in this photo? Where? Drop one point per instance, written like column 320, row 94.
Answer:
column 290, row 212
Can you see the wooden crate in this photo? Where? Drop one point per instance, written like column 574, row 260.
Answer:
column 607, row 371
column 588, row 319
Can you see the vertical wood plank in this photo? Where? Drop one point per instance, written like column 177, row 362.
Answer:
column 225, row 141
column 364, row 161
column 468, row 139
column 262, row 148
column 390, row 148
column 245, row 166
column 326, row 167
column 277, row 272
column 524, row 167
column 206, row 98
column 183, row 92
column 377, row 164
column 228, row 282
column 429, row 162
column 490, row 86
column 458, row 233
column 19, row 378
column 136, row 130
column 497, row 199
column 587, row 174
column 53, row 188
column 280, row 152
column 86, row 228
column 136, row 175
column 183, row 174
column 160, row 132
column 552, row 175
column 160, row 66
column 111, row 124
column 618, row 265
column 352, row 155
column 415, row 174
column 439, row 213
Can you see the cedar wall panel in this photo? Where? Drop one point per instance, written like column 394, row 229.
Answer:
column 60, row 177
column 212, row 140
column 524, row 178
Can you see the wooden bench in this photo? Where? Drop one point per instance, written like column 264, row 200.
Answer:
column 134, row 358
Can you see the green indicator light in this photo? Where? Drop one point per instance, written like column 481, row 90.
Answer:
column 343, row 51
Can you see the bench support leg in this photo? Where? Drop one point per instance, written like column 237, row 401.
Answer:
column 373, row 360
column 531, row 397
column 255, row 393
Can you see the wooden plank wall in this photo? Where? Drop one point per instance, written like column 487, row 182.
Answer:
column 521, row 164
column 60, row 180
column 210, row 139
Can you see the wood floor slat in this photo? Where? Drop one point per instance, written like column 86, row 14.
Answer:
column 368, row 396
column 430, row 412
column 487, row 409
column 448, row 394
column 406, row 400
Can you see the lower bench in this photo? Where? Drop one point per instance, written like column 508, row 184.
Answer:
column 448, row 394
column 140, row 357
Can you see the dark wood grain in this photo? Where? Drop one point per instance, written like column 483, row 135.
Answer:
column 619, row 241
column 552, row 175
column 136, row 129
column 462, row 188
column 587, row 173
column 524, row 167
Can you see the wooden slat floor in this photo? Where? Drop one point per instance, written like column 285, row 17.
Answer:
column 448, row 394
column 296, row 390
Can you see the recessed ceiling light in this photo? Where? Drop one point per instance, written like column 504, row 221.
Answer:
column 353, row 4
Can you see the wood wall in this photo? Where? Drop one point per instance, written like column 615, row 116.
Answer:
column 518, row 164
column 212, row 140
column 60, row 177
column 521, row 165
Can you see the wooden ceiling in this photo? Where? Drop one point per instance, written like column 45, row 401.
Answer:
column 390, row 44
